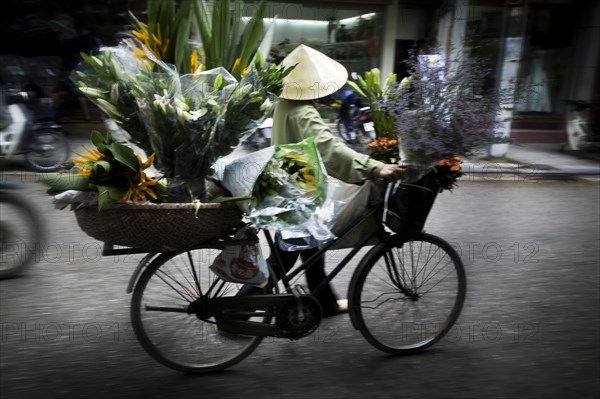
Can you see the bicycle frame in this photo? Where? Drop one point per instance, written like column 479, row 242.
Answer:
column 310, row 261
column 289, row 275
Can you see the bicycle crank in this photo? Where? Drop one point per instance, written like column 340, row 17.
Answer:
column 294, row 316
column 299, row 317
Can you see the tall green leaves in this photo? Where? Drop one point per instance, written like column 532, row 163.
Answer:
column 223, row 40
column 167, row 31
column 372, row 91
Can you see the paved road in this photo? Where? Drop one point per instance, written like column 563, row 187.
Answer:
column 530, row 326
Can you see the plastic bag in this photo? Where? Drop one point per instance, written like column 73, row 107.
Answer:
column 244, row 264
column 287, row 185
column 349, row 203
column 188, row 121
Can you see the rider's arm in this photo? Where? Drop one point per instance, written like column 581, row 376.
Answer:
column 294, row 121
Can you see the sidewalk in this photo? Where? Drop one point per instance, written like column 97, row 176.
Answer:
column 536, row 161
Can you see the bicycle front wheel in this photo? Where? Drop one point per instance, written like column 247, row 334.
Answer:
column 166, row 326
column 405, row 296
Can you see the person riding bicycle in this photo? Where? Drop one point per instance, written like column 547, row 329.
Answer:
column 295, row 118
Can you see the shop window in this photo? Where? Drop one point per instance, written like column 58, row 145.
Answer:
column 350, row 36
column 546, row 55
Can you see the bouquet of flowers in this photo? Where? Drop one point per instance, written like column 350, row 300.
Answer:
column 445, row 110
column 291, row 184
column 157, row 89
column 446, row 172
column 189, row 120
column 282, row 187
column 113, row 171
column 384, row 150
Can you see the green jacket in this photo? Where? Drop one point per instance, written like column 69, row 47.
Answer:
column 294, row 121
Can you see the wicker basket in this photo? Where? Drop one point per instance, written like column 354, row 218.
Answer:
column 159, row 227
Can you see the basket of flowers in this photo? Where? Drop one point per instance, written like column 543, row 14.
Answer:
column 181, row 106
column 117, row 202
column 409, row 204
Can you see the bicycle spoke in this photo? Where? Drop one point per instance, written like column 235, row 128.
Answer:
column 196, row 280
column 172, row 282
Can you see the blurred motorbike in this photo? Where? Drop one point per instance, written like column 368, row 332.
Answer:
column 359, row 129
column 354, row 125
column 21, row 232
column 42, row 143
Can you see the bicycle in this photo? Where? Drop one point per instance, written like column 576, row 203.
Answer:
column 404, row 296
column 21, row 232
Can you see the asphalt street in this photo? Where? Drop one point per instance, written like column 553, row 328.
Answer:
column 529, row 329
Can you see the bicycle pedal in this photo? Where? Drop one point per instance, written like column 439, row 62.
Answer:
column 300, row 290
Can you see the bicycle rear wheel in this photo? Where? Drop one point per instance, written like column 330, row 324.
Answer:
column 180, row 340
column 405, row 296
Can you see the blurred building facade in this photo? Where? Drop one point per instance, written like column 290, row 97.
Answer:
column 551, row 44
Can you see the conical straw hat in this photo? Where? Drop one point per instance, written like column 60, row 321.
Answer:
column 315, row 76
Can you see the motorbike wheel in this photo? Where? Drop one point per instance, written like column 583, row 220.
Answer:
column 50, row 150
column 20, row 235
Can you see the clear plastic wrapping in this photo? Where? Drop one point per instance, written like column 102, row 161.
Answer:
column 286, row 186
column 187, row 121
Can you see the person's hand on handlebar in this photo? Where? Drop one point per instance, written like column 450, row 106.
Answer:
column 392, row 171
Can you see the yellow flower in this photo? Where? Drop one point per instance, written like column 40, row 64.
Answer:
column 152, row 41
column 194, row 60
column 92, row 155
column 141, row 184
column 236, row 64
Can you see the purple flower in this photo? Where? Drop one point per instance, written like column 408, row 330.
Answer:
column 447, row 109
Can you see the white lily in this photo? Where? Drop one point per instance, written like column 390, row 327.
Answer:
column 195, row 115
column 266, row 106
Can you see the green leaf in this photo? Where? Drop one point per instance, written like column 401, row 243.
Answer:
column 107, row 196
column 357, row 89
column 102, row 168
column 125, row 156
column 182, row 51
column 97, row 138
column 204, row 27
column 251, row 35
column 235, row 31
column 65, row 181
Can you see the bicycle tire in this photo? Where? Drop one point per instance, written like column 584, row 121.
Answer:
column 182, row 341
column 56, row 151
column 21, row 235
column 397, row 288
